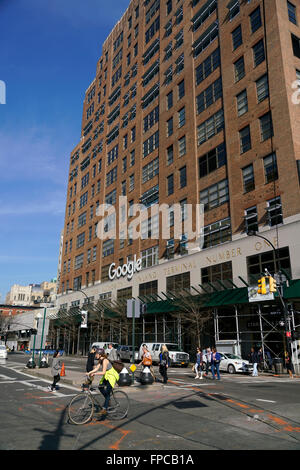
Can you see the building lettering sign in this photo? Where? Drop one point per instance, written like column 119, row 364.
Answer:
column 127, row 269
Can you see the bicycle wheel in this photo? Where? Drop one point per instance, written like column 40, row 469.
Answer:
column 119, row 405
column 81, row 408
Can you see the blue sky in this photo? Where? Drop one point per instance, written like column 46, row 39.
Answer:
column 48, row 56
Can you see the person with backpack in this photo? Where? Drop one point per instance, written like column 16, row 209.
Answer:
column 164, row 362
column 110, row 377
column 215, row 363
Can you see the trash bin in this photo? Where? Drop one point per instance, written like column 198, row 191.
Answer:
column 146, row 377
column 278, row 366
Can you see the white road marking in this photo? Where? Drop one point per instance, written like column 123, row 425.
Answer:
column 6, row 377
column 267, row 401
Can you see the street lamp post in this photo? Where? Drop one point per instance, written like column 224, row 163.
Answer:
column 37, row 318
column 88, row 300
column 280, row 291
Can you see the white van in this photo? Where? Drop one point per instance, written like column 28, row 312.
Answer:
column 104, row 345
column 177, row 356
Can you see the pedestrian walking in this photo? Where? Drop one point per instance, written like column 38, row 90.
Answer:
column 147, row 360
column 269, row 359
column 215, row 363
column 90, row 359
column 55, row 370
column 260, row 356
column 112, row 355
column 164, row 361
column 199, row 364
column 253, row 359
column 289, row 364
column 208, row 361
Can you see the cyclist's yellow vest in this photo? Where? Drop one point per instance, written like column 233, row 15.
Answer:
column 112, row 376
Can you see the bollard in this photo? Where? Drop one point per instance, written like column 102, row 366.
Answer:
column 43, row 363
column 31, row 364
column 146, row 377
column 125, row 378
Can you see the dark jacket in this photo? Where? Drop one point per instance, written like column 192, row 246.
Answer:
column 164, row 359
column 90, row 362
column 253, row 357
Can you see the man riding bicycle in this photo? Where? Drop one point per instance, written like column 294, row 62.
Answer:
column 109, row 377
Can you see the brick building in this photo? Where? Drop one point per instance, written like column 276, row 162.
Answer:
column 192, row 102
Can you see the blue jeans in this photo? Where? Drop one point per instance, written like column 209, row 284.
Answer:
column 106, row 392
column 213, row 368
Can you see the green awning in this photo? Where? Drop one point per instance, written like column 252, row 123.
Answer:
column 293, row 291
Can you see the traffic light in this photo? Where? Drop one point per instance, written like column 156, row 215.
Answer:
column 262, row 286
column 272, row 284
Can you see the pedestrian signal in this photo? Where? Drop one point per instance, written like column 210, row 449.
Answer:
column 272, row 284
column 262, row 286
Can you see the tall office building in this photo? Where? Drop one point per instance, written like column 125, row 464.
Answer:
column 192, row 102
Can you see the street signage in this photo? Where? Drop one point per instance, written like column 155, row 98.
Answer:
column 137, row 308
column 132, row 368
column 84, row 315
column 254, row 296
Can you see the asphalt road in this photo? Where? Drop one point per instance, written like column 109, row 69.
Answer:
column 236, row 413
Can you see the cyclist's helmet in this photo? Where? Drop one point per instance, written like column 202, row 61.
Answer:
column 100, row 351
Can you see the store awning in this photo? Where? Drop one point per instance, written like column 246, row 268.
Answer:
column 293, row 291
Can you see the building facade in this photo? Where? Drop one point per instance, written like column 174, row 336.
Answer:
column 192, row 103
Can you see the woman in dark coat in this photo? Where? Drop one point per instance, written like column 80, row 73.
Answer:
column 164, row 363
column 55, row 370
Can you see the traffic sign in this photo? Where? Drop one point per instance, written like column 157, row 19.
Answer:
column 132, row 368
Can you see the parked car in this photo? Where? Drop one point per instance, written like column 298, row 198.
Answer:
column 233, row 363
column 125, row 353
column 177, row 356
column 3, row 352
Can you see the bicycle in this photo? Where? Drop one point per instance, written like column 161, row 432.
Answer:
column 82, row 407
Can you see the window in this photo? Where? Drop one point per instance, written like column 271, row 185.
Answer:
column 111, row 176
column 262, row 88
column 212, row 160
column 237, row 38
column 181, row 117
column 234, row 8
column 211, row 127
column 149, row 97
column 296, row 45
column 113, row 154
column 124, row 294
column 170, row 185
column 248, row 178
column 266, row 126
column 217, row 272
column 151, row 119
column 182, row 177
column 77, row 283
column 178, row 39
column 169, row 7
column 150, row 144
column 150, row 257
column 269, row 260
column 239, row 69
column 124, row 164
column 169, row 127
column 152, row 30
column 178, row 282
column 258, row 53
column 78, row 261
column 292, row 12
column 179, row 15
column 82, row 219
column 83, row 200
column 169, row 100
column 110, row 198
column 151, row 51
column 215, row 195
column 80, row 240
column 150, row 228
column 150, row 170
column 206, row 39
column 131, row 182
column 148, row 288
column 170, row 155
column 182, row 146
column 251, row 220
column 209, row 96
column 150, row 197
column 255, row 20
column 203, row 14
column 242, row 103
column 107, row 248
column 274, row 210
column 270, row 167
column 169, row 75
column 132, row 157
column 217, row 233
column 245, row 139
column 211, row 63
column 133, row 134
column 180, row 88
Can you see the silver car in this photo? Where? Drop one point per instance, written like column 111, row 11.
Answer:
column 125, row 353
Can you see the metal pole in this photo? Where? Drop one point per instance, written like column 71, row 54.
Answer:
column 40, row 356
column 237, row 328
column 133, row 335
column 33, row 350
column 261, row 333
